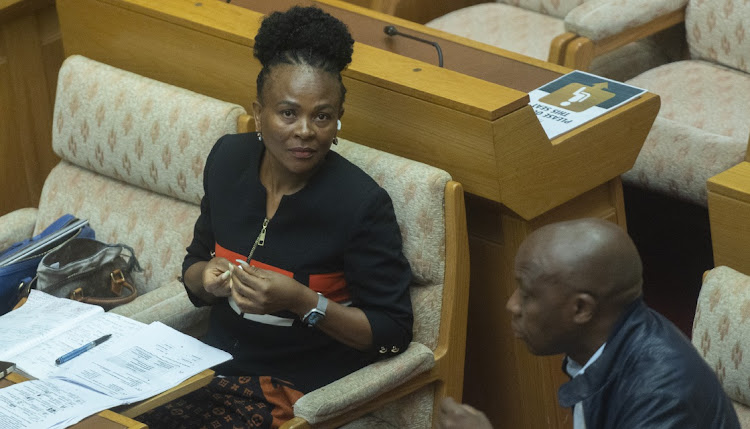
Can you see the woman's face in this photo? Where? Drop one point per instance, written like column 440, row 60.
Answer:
column 297, row 119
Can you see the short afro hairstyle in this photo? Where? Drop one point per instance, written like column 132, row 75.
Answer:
column 303, row 35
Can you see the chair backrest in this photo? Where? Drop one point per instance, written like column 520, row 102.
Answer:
column 721, row 333
column 430, row 211
column 416, row 190
column 719, row 31
column 133, row 151
column 558, row 8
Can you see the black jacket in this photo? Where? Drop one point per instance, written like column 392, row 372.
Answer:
column 649, row 376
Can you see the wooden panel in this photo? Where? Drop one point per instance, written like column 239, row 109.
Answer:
column 30, row 55
column 463, row 55
column 217, row 58
column 52, row 48
column 537, row 175
column 730, row 231
column 427, row 132
column 420, row 11
column 215, row 65
column 729, row 214
column 15, row 193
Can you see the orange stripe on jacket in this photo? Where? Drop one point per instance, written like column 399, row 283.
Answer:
column 331, row 285
column 232, row 256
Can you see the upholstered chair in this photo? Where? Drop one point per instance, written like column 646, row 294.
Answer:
column 543, row 29
column 132, row 154
column 402, row 392
column 721, row 333
column 703, row 127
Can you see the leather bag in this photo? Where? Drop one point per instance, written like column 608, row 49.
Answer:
column 16, row 277
column 90, row 271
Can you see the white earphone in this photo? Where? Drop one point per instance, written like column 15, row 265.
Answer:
column 338, row 124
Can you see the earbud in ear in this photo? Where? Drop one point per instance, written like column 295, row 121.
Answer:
column 338, row 124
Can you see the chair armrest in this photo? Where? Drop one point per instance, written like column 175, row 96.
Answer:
column 16, row 226
column 168, row 304
column 601, row 19
column 364, row 385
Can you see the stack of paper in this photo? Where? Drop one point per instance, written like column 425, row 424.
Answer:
column 138, row 362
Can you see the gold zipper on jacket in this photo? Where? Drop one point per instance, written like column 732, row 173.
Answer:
column 260, row 240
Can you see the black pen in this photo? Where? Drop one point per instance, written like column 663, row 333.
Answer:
column 84, row 348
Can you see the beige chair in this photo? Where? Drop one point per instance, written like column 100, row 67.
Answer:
column 132, row 153
column 703, row 127
column 402, row 392
column 721, row 333
column 604, row 37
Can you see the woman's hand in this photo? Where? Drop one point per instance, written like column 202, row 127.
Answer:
column 260, row 291
column 217, row 279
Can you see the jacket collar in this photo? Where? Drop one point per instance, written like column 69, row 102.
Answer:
column 605, row 367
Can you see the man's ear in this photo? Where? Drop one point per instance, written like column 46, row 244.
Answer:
column 256, row 114
column 585, row 308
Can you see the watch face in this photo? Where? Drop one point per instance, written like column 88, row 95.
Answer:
column 314, row 318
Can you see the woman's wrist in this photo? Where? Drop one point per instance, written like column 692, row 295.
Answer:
column 307, row 300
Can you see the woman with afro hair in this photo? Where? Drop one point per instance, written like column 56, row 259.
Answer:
column 296, row 250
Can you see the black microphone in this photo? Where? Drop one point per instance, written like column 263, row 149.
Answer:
column 392, row 31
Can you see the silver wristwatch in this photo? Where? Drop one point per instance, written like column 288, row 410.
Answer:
column 314, row 316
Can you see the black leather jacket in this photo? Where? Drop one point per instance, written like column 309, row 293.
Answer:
column 649, row 376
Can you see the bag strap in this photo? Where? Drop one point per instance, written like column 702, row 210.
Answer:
column 118, row 283
column 132, row 260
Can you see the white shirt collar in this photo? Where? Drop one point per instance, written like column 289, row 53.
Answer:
column 575, row 369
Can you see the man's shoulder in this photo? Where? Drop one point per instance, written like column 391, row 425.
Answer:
column 660, row 368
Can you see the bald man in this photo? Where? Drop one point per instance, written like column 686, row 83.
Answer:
column 579, row 294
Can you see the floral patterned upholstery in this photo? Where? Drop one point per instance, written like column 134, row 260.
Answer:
column 702, row 128
column 417, row 191
column 556, row 8
column 721, row 333
column 599, row 19
column 132, row 154
column 719, row 31
column 528, row 27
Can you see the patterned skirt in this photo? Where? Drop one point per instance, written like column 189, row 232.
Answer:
column 228, row 403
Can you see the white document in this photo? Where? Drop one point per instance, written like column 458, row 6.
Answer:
column 150, row 362
column 25, row 327
column 576, row 98
column 48, row 404
column 34, row 342
column 136, row 363
column 39, row 361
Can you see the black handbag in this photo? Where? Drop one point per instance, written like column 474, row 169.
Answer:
column 90, row 271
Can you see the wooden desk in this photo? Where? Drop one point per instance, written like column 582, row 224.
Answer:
column 483, row 133
column 728, row 206
column 102, row 420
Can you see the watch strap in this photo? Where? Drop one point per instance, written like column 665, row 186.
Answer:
column 319, row 311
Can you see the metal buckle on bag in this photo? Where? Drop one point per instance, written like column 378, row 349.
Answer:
column 77, row 294
column 118, row 278
column 24, row 289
